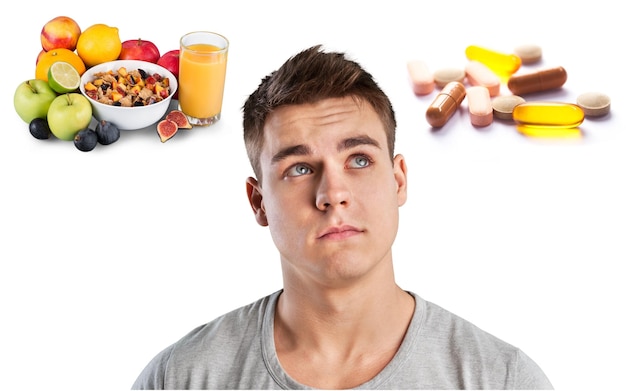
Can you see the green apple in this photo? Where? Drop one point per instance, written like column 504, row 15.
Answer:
column 69, row 114
column 32, row 99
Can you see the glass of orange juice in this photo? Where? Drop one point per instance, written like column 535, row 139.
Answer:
column 201, row 76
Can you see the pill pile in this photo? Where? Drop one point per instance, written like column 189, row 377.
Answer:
column 484, row 74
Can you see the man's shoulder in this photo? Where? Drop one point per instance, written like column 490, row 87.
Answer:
column 444, row 325
column 241, row 323
column 212, row 348
column 481, row 359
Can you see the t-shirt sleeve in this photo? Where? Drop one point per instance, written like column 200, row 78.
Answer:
column 153, row 375
column 529, row 376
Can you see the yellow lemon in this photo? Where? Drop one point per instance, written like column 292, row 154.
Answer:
column 99, row 43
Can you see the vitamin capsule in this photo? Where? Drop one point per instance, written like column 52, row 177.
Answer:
column 503, row 106
column 444, row 76
column 478, row 74
column 542, row 80
column 479, row 104
column 445, row 104
column 501, row 63
column 594, row 104
column 548, row 115
column 550, row 132
column 421, row 77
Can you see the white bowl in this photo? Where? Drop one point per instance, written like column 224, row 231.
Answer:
column 129, row 118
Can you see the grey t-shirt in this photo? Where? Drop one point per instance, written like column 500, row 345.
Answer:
column 440, row 351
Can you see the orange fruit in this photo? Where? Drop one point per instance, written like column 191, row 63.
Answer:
column 99, row 43
column 48, row 58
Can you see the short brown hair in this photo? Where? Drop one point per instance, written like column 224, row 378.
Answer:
column 308, row 77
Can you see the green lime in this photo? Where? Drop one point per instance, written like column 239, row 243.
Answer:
column 63, row 77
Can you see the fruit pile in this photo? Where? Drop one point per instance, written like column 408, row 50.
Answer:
column 50, row 102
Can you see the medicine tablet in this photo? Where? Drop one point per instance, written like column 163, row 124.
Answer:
column 479, row 103
column 594, row 104
column 529, row 54
column 479, row 74
column 446, row 75
column 503, row 105
column 421, row 77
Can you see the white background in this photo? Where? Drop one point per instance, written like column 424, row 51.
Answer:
column 109, row 256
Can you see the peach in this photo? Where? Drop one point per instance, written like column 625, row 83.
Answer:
column 60, row 32
column 41, row 53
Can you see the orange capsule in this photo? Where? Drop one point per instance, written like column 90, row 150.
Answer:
column 543, row 80
column 445, row 104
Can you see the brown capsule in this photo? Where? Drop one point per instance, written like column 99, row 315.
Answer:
column 445, row 104
column 543, row 80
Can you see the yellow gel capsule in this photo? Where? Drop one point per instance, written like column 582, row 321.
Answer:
column 548, row 114
column 501, row 63
column 550, row 132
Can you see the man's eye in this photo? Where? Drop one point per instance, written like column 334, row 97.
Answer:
column 360, row 161
column 298, row 169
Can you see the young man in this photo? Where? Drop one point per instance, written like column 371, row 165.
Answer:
column 320, row 136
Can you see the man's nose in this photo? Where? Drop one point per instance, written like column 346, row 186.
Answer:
column 332, row 191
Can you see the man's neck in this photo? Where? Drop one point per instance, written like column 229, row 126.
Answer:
column 357, row 329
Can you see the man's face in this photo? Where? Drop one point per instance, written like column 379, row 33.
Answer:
column 330, row 192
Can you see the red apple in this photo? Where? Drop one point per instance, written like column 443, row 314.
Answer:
column 60, row 32
column 139, row 49
column 170, row 61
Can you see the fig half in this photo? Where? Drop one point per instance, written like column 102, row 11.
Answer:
column 180, row 118
column 166, row 129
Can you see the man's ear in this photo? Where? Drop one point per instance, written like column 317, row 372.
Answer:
column 255, row 196
column 400, row 173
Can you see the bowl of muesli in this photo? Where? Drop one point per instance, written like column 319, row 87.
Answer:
column 131, row 94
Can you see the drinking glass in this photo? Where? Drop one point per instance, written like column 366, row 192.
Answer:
column 201, row 76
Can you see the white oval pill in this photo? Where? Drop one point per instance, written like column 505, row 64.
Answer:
column 503, row 105
column 529, row 54
column 594, row 104
column 444, row 76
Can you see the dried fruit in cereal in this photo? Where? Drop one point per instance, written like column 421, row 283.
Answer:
column 128, row 88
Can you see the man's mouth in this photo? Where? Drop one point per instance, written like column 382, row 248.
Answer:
column 338, row 233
